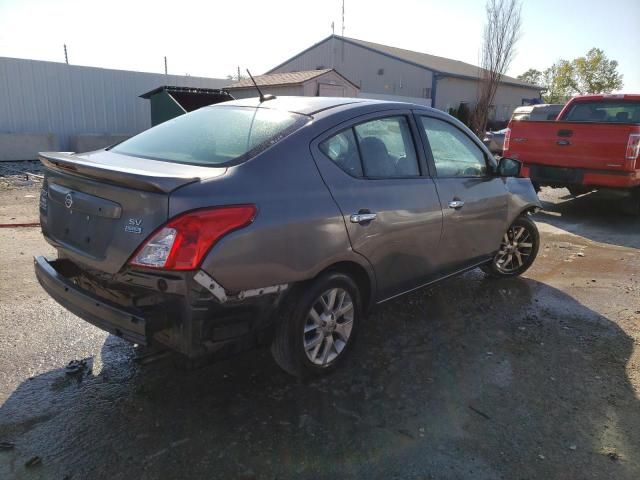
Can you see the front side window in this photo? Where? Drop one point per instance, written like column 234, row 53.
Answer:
column 454, row 153
column 213, row 136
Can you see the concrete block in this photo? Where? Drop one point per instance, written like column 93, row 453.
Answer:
column 25, row 146
column 87, row 142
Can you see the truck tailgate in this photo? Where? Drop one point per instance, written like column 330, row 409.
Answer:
column 571, row 144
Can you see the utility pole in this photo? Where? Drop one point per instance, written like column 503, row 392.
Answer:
column 66, row 57
column 165, row 65
column 333, row 29
column 238, row 72
column 342, row 41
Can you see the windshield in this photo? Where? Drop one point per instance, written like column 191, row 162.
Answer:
column 213, row 136
column 605, row 111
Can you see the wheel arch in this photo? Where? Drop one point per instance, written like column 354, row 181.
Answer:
column 363, row 277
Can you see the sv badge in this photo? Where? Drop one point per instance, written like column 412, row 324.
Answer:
column 134, row 226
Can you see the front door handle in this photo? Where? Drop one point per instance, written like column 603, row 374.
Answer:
column 456, row 204
column 563, row 142
column 362, row 217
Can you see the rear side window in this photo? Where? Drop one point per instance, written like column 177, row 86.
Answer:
column 381, row 148
column 342, row 149
column 387, row 148
column 454, row 153
column 213, row 136
column 608, row 111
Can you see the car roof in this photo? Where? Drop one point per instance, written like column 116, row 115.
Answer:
column 308, row 105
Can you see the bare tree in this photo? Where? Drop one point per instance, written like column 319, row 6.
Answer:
column 501, row 34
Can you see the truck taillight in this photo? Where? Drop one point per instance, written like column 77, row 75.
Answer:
column 507, row 139
column 182, row 243
column 633, row 147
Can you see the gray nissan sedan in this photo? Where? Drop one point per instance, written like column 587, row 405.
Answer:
column 278, row 222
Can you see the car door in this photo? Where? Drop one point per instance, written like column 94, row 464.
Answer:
column 474, row 200
column 390, row 206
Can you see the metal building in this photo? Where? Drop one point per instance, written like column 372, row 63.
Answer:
column 55, row 106
column 313, row 83
column 386, row 72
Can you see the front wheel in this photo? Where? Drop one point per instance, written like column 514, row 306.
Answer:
column 318, row 325
column 518, row 249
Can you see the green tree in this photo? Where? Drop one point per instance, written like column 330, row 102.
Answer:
column 559, row 83
column 595, row 73
column 532, row 76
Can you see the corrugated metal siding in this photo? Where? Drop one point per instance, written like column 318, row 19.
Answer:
column 49, row 97
column 452, row 91
column 361, row 66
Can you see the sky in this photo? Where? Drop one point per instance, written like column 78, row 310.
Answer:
column 212, row 38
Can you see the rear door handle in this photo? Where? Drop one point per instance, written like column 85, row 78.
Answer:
column 456, row 204
column 563, row 143
column 362, row 217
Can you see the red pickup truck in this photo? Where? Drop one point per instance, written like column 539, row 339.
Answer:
column 593, row 144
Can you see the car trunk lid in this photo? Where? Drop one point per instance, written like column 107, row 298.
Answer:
column 98, row 208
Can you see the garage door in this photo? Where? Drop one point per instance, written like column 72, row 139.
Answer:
column 327, row 90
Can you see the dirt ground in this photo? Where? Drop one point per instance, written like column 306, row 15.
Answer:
column 530, row 378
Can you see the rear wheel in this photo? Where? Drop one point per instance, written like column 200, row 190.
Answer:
column 317, row 326
column 518, row 249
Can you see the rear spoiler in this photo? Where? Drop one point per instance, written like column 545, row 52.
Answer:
column 147, row 179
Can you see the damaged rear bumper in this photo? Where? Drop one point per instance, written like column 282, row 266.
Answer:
column 128, row 324
column 189, row 313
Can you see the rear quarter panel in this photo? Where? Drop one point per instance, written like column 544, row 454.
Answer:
column 298, row 230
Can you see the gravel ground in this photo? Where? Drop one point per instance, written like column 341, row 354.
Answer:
column 530, row 378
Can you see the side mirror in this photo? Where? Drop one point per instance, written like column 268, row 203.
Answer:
column 509, row 167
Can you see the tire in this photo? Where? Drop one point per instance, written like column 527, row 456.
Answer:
column 632, row 205
column 302, row 344
column 508, row 263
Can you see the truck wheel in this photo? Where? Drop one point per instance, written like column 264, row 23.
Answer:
column 518, row 250
column 317, row 326
column 632, row 206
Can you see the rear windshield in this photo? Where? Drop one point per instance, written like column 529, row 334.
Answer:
column 619, row 111
column 213, row 136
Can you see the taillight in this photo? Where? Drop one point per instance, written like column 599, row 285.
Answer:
column 633, row 147
column 507, row 139
column 183, row 242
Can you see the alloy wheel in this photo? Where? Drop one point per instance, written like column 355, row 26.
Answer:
column 328, row 326
column 515, row 249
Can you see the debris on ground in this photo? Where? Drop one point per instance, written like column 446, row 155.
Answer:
column 75, row 367
column 6, row 446
column 613, row 456
column 33, row 461
column 21, row 173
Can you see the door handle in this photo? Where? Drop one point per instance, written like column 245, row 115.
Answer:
column 362, row 217
column 456, row 204
column 562, row 143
